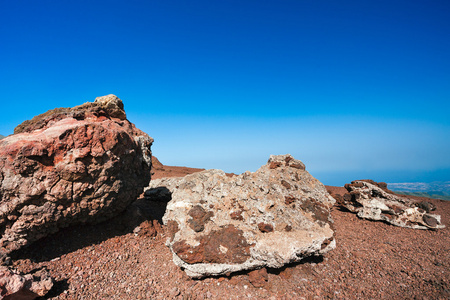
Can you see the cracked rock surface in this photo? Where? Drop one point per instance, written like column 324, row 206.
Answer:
column 220, row 224
column 69, row 166
column 372, row 200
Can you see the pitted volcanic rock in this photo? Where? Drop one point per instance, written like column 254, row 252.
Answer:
column 371, row 200
column 23, row 287
column 69, row 166
column 219, row 224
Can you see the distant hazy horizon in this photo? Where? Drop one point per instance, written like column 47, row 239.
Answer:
column 336, row 177
column 435, row 189
column 354, row 89
column 436, row 186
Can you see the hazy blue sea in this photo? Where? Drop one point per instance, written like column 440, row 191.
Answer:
column 436, row 189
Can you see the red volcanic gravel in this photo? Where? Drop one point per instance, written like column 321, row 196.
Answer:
column 372, row 260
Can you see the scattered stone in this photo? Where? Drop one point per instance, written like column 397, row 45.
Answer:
column 148, row 228
column 23, row 287
column 375, row 202
column 258, row 278
column 69, row 166
column 219, row 224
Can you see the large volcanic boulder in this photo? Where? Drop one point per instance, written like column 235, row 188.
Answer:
column 69, row 166
column 220, row 224
column 372, row 200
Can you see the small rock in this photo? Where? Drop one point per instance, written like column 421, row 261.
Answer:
column 263, row 227
column 427, row 206
column 24, row 287
column 258, row 278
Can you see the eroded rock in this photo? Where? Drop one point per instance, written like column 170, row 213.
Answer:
column 70, row 166
column 24, row 287
column 219, row 224
column 370, row 200
column 258, row 278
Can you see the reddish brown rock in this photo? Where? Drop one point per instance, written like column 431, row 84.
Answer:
column 289, row 199
column 237, row 215
column 258, row 278
column 172, row 228
column 199, row 216
column 226, row 245
column 23, row 287
column 149, row 228
column 264, row 227
column 70, row 166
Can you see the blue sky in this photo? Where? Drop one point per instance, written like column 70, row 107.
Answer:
column 354, row 89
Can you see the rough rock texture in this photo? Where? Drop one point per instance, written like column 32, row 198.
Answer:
column 258, row 278
column 23, row 287
column 371, row 200
column 219, row 224
column 372, row 260
column 69, row 166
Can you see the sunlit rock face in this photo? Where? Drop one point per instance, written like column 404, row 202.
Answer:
column 24, row 287
column 70, row 166
column 373, row 201
column 220, row 224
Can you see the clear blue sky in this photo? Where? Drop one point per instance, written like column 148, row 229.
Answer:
column 354, row 89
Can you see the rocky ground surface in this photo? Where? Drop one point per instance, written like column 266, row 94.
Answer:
column 371, row 260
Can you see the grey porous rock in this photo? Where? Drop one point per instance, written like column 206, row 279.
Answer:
column 69, row 166
column 220, row 224
column 371, row 200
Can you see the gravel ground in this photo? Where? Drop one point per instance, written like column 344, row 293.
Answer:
column 372, row 260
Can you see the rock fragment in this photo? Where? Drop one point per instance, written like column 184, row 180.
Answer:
column 24, row 287
column 370, row 200
column 258, row 278
column 219, row 224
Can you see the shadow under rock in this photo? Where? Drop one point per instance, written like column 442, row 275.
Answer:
column 276, row 271
column 342, row 208
column 307, row 260
column 76, row 237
